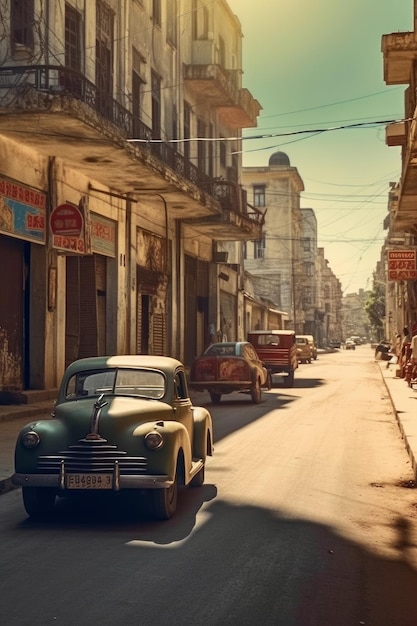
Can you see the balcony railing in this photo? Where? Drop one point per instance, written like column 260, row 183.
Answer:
column 59, row 81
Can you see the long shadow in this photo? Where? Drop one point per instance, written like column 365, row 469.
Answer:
column 214, row 564
column 236, row 410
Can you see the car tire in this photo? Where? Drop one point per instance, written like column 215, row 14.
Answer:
column 215, row 397
column 198, row 480
column 269, row 381
column 256, row 391
column 289, row 380
column 38, row 501
column 163, row 502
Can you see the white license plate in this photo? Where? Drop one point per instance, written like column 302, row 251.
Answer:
column 89, row 481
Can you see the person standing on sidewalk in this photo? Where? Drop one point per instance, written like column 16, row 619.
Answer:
column 412, row 376
column 405, row 351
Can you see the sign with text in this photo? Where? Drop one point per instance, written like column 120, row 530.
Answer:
column 22, row 211
column 402, row 264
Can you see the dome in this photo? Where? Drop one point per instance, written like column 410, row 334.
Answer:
column 279, row 158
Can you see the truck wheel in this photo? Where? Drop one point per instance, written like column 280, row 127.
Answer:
column 215, row 397
column 289, row 380
column 256, row 391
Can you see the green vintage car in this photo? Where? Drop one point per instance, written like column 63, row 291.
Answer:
column 121, row 424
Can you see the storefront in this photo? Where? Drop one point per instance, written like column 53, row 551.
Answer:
column 22, row 229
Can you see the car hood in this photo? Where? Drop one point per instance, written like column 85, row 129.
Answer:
column 121, row 409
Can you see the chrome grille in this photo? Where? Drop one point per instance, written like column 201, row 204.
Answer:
column 92, row 456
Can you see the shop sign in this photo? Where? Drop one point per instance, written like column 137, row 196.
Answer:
column 103, row 235
column 22, row 211
column 402, row 264
column 69, row 226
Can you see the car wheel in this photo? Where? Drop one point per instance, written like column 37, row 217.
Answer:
column 289, row 380
column 164, row 501
column 256, row 391
column 198, row 480
column 215, row 397
column 269, row 381
column 38, row 502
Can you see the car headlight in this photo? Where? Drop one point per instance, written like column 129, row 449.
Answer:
column 154, row 440
column 30, row 439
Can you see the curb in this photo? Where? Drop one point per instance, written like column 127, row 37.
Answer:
column 401, row 427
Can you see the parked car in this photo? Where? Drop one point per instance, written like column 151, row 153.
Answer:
column 350, row 344
column 311, row 342
column 335, row 343
column 277, row 349
column 228, row 367
column 304, row 354
column 121, row 424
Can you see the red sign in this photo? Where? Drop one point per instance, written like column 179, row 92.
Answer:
column 402, row 264
column 66, row 221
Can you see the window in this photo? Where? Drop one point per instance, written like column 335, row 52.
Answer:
column 259, row 195
column 200, row 21
column 156, row 12
column 259, row 246
column 307, row 296
column 104, row 59
column 172, row 22
column 306, row 243
column 308, row 269
column 72, row 39
column 156, row 105
column 187, row 130
column 223, row 159
column 201, row 145
column 22, row 18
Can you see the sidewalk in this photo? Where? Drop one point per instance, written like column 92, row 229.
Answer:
column 404, row 401
column 14, row 417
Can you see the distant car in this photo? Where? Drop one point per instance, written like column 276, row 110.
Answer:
column 304, row 353
column 278, row 350
column 228, row 367
column 311, row 342
column 350, row 344
column 121, row 424
column 335, row 343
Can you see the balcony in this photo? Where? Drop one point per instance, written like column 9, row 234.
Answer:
column 59, row 112
column 399, row 51
column 218, row 88
column 238, row 221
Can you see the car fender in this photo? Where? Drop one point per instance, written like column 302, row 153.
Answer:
column 53, row 436
column 164, row 459
column 203, row 431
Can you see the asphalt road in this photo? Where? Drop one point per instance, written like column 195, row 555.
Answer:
column 306, row 519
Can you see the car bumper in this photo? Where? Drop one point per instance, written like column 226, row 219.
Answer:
column 57, row 481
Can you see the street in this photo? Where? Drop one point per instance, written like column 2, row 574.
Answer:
column 308, row 517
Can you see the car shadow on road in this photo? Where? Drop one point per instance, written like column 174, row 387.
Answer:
column 257, row 565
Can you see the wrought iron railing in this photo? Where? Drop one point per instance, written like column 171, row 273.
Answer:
column 61, row 81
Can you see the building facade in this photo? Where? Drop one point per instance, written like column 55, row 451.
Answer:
column 275, row 260
column 120, row 127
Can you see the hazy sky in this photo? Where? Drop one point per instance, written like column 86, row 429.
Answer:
column 317, row 64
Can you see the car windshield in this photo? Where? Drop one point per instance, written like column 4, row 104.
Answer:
column 219, row 349
column 120, row 382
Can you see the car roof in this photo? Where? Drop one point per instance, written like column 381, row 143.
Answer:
column 163, row 363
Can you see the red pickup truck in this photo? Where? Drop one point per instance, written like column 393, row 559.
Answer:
column 278, row 350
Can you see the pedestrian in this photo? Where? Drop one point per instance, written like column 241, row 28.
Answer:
column 405, row 350
column 413, row 355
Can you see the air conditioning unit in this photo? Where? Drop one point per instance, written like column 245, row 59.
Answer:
column 220, row 257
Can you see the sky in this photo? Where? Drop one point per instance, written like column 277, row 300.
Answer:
column 317, row 65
